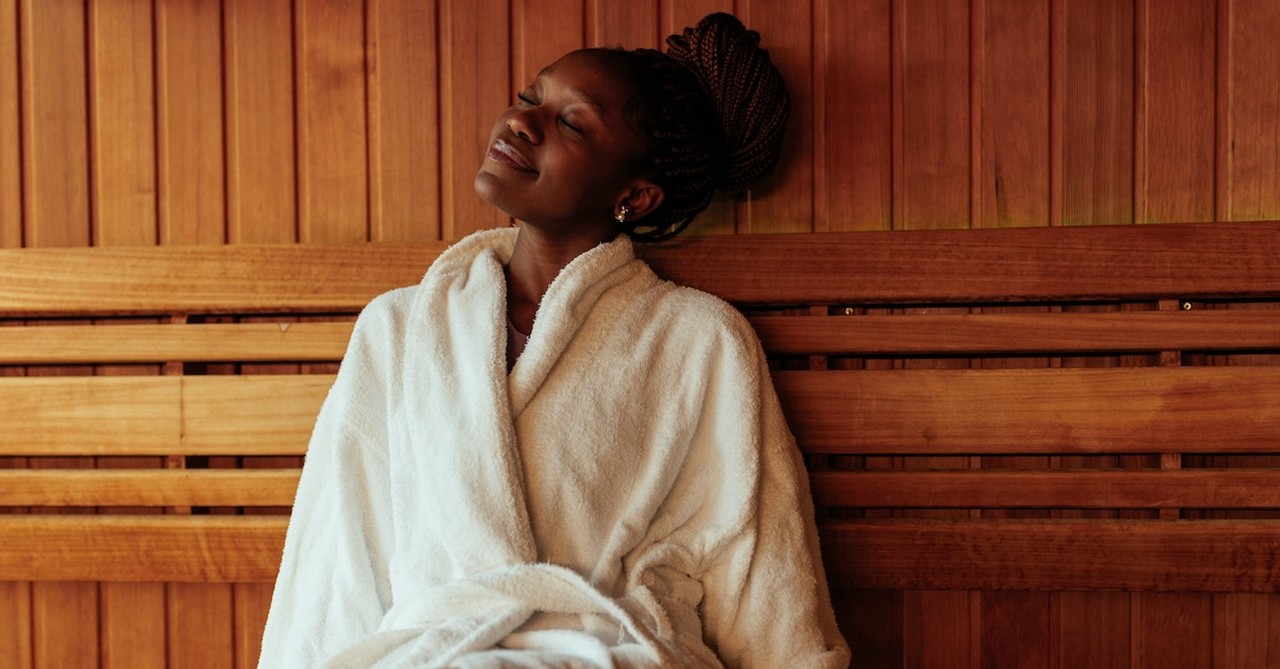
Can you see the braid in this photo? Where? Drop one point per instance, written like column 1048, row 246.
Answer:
column 712, row 111
column 750, row 96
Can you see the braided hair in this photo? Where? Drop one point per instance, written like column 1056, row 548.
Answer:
column 711, row 111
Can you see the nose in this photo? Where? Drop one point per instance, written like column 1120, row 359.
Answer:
column 524, row 124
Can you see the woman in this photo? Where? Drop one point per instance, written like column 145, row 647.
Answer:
column 614, row 486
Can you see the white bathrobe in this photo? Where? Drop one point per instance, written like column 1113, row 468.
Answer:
column 628, row 496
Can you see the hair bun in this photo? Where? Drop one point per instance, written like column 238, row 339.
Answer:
column 748, row 91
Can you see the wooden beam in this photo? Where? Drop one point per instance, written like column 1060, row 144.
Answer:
column 148, row 487
column 1054, row 555
column 1057, row 489
column 1034, row 411
column 203, row 549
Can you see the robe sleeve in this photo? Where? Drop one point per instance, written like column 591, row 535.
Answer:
column 333, row 586
column 766, row 602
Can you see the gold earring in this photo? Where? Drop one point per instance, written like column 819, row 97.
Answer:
column 621, row 216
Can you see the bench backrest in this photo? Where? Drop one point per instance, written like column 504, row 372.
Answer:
column 1031, row 409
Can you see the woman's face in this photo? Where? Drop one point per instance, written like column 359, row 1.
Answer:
column 562, row 157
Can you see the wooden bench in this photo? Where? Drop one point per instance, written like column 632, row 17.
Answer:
column 1039, row 410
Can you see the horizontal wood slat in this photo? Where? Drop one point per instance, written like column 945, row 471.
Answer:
column 1070, row 489
column 1185, row 261
column 142, row 343
column 1209, row 330
column 1054, row 555
column 204, row 549
column 1226, row 556
column 1034, row 411
column 1073, row 332
column 205, row 279
column 159, row 415
column 148, row 487
column 992, row 265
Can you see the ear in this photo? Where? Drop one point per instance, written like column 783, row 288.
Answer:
column 642, row 199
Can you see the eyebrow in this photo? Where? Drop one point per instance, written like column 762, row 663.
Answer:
column 578, row 93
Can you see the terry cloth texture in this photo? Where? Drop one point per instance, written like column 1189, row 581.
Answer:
column 627, row 496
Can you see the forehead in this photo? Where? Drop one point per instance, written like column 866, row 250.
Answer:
column 593, row 74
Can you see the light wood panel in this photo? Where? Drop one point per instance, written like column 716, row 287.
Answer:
column 122, row 122
column 163, row 415
column 55, row 154
column 208, row 342
column 148, row 487
column 1018, row 333
column 333, row 131
column 1024, row 411
column 190, row 159
column 10, row 128
column 262, row 186
column 195, row 549
column 404, row 121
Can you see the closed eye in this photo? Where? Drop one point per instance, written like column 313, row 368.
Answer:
column 570, row 126
column 527, row 99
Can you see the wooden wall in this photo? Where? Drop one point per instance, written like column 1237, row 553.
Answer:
column 239, row 121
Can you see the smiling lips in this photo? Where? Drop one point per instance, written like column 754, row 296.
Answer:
column 504, row 153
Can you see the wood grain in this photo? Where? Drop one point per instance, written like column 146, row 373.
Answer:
column 1053, row 555
column 148, row 487
column 1024, row 411
column 206, row 342
column 11, row 139
column 190, row 156
column 197, row 549
column 165, row 415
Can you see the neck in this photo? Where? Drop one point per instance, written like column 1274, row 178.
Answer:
column 535, row 262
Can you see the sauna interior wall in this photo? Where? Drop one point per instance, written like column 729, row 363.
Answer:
column 127, row 122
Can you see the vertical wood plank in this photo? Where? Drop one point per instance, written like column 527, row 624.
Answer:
column 10, row 129
column 55, row 123
column 133, row 633
column 852, row 87
column 931, row 114
column 333, row 173
column 1012, row 74
column 784, row 202
column 871, row 622
column 1246, row 630
column 541, row 32
column 720, row 217
column 1253, row 109
column 1173, row 630
column 936, row 629
column 15, row 636
column 627, row 24
column 122, row 122
column 1094, row 630
column 1098, row 112
column 65, row 624
column 261, row 181
column 404, row 121
column 192, row 203
column 252, row 601
column 1177, row 84
column 1015, row 630
column 200, row 626
column 476, row 82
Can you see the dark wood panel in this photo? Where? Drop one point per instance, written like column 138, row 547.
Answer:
column 1054, row 555
column 1074, row 489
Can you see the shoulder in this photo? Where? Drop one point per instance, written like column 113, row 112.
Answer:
column 703, row 320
